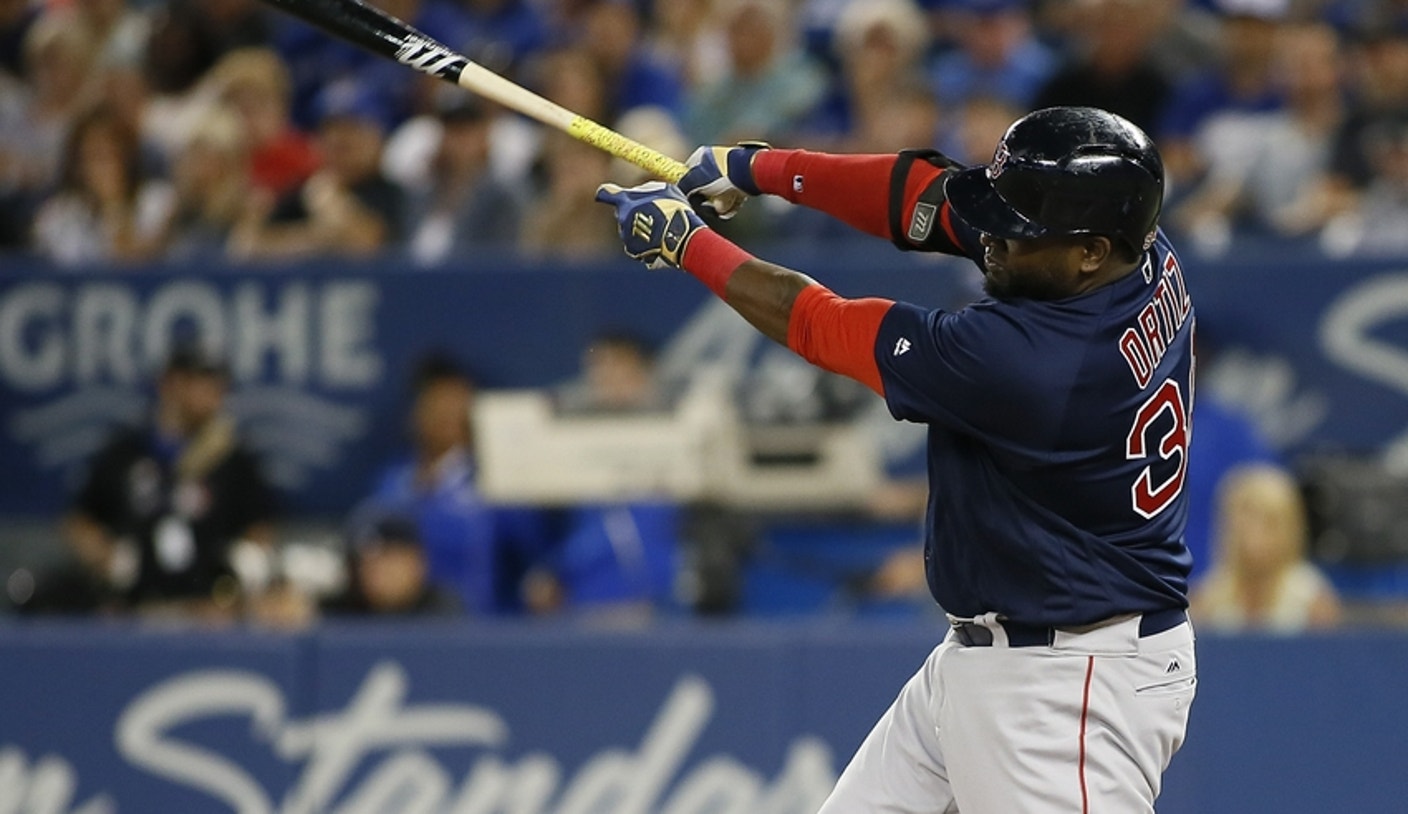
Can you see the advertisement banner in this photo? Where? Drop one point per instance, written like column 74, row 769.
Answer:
column 1316, row 350
column 523, row 719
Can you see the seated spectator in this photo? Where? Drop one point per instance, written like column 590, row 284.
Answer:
column 617, row 377
column 978, row 128
column 500, row 34
column 36, row 116
column 1377, row 220
column 770, row 86
column 648, row 125
column 1112, row 65
column 571, row 77
column 118, row 29
column 104, row 210
column 634, row 76
column 1261, row 579
column 16, row 17
column 348, row 207
column 687, row 33
column 880, row 46
column 169, row 509
column 1263, row 168
column 998, row 53
column 403, row 94
column 458, row 204
column 1243, row 80
column 1361, row 194
column 212, row 183
column 615, row 561
column 555, row 222
column 1226, row 440
column 473, row 550
column 188, row 37
column 387, row 571
column 255, row 83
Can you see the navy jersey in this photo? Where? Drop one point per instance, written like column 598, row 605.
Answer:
column 1058, row 444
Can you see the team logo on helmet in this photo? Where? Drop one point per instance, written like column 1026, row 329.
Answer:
column 999, row 161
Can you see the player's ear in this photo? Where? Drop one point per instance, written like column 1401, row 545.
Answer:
column 1095, row 250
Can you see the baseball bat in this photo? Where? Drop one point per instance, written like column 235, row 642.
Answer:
column 383, row 34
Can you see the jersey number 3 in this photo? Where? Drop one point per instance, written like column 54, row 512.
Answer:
column 1172, row 447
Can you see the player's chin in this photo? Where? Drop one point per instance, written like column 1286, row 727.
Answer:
column 995, row 288
column 997, row 280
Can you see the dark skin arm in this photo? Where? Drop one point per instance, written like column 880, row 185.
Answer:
column 763, row 294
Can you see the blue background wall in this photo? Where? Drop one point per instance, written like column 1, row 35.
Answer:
column 322, row 352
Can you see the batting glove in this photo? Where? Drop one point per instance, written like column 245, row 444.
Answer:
column 721, row 178
column 655, row 221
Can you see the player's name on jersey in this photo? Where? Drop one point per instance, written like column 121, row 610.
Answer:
column 1144, row 343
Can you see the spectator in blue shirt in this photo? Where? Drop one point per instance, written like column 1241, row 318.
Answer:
column 614, row 560
column 471, row 547
column 634, row 77
column 1223, row 439
column 997, row 54
column 770, row 88
column 1243, row 81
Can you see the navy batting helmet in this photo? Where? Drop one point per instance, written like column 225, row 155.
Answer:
column 1065, row 171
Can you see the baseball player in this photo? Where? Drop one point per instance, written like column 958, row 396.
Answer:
column 1058, row 411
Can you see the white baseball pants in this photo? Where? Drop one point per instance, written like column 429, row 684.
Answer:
column 1086, row 725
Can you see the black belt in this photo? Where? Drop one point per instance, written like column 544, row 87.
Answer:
column 972, row 634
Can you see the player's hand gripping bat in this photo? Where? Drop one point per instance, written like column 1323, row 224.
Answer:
column 387, row 36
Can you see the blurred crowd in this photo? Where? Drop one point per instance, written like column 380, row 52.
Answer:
column 176, row 521
column 142, row 130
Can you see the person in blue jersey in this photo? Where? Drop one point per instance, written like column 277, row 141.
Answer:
column 1058, row 418
column 474, row 550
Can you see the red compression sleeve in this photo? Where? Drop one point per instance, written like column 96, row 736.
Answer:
column 838, row 334
column 854, row 189
column 712, row 259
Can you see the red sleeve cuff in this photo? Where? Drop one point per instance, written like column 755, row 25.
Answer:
column 770, row 172
column 854, row 189
column 838, row 334
column 713, row 259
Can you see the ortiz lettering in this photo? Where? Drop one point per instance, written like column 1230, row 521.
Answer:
column 334, row 745
column 1144, row 344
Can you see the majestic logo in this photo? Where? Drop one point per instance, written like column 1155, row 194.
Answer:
column 429, row 56
column 922, row 222
column 999, row 162
column 797, row 183
column 902, row 346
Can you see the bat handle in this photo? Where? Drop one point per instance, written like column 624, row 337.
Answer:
column 603, row 138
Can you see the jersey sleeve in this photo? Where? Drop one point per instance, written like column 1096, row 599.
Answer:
column 973, row 371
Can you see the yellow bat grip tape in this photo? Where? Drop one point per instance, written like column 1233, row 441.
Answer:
column 603, row 138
